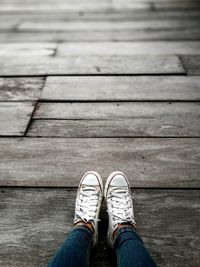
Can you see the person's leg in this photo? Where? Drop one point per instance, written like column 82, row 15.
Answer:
column 129, row 247
column 76, row 249
column 75, row 252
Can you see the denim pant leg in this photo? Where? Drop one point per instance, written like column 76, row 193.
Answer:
column 130, row 250
column 75, row 252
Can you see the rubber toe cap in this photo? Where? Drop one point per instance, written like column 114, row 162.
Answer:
column 118, row 180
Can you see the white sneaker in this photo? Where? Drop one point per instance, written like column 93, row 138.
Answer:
column 119, row 202
column 88, row 201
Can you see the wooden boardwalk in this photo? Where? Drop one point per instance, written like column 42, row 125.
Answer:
column 99, row 85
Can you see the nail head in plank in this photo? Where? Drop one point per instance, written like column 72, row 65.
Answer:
column 154, row 162
column 115, row 88
column 14, row 117
column 36, row 221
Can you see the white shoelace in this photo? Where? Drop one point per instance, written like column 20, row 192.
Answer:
column 87, row 204
column 121, row 208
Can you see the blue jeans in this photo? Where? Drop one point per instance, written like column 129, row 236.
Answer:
column 75, row 252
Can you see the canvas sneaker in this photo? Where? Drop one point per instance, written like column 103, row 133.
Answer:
column 119, row 203
column 88, row 201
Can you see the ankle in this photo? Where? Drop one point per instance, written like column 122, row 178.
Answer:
column 122, row 225
column 88, row 225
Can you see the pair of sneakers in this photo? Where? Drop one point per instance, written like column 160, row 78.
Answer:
column 118, row 198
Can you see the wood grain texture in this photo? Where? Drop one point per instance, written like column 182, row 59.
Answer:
column 27, row 49
column 94, row 6
column 14, row 117
column 116, row 120
column 191, row 64
column 27, row 239
column 128, row 48
column 69, row 7
column 117, row 15
column 117, row 88
column 116, row 128
column 107, row 26
column 20, row 89
column 90, row 65
column 101, row 36
column 114, row 111
column 49, row 6
column 154, row 162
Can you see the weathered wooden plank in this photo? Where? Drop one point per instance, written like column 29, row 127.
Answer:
column 108, row 25
column 116, row 128
column 172, row 2
column 14, row 117
column 64, row 6
column 27, row 49
column 35, row 222
column 90, row 65
column 128, row 48
column 181, row 2
column 103, row 5
column 122, row 88
column 117, row 15
column 126, row 35
column 116, row 120
column 159, row 162
column 114, row 111
column 191, row 64
column 20, row 89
